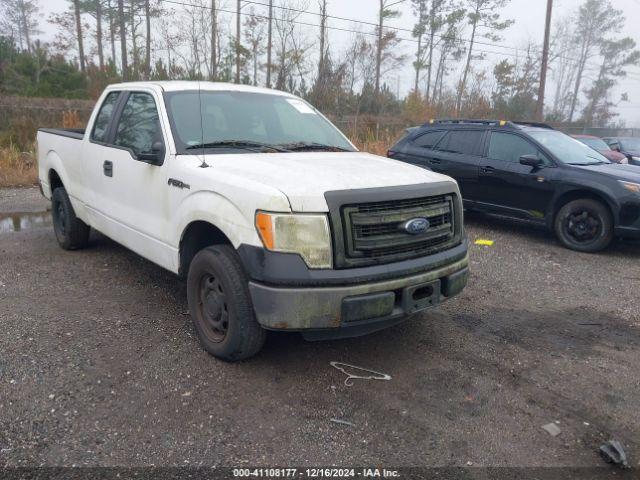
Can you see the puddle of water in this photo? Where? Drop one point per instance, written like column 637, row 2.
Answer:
column 17, row 222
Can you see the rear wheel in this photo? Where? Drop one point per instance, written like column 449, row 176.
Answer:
column 71, row 232
column 584, row 225
column 220, row 305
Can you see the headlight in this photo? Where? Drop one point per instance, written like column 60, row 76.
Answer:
column 632, row 187
column 306, row 235
column 637, row 159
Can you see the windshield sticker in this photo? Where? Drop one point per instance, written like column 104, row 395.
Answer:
column 300, row 106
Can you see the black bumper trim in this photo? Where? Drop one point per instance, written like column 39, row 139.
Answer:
column 275, row 268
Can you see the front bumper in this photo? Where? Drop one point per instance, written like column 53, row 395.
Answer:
column 357, row 309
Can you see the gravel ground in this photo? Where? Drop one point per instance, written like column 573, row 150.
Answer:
column 99, row 364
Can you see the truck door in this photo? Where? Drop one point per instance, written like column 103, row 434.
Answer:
column 130, row 200
column 507, row 186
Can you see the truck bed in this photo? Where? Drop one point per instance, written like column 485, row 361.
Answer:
column 77, row 133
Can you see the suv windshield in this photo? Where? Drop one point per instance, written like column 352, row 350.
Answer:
column 566, row 149
column 630, row 144
column 596, row 143
column 218, row 121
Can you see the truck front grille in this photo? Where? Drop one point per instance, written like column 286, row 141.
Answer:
column 374, row 233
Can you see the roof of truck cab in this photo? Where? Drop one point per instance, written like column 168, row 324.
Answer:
column 181, row 85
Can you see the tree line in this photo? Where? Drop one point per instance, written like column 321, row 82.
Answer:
column 460, row 63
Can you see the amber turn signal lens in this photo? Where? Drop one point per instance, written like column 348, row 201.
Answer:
column 264, row 225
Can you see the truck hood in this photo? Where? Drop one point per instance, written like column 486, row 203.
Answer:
column 304, row 177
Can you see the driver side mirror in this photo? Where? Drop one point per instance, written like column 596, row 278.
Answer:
column 156, row 156
column 615, row 148
column 531, row 161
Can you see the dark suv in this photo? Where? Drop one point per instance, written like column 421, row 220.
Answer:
column 531, row 172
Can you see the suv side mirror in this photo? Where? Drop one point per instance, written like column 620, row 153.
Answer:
column 155, row 157
column 531, row 161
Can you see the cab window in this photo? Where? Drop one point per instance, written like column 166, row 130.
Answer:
column 103, row 119
column 509, row 147
column 139, row 124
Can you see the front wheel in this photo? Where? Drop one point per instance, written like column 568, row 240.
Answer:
column 584, row 225
column 220, row 305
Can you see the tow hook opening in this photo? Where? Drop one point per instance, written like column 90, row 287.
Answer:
column 422, row 292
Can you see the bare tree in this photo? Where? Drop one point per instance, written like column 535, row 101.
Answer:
column 384, row 39
column 290, row 48
column 269, row 42
column 254, row 31
column 323, row 35
column 96, row 8
column 450, row 46
column 481, row 14
column 78, row 18
column 19, row 20
column 442, row 15
column 238, row 35
column 123, row 41
column 112, row 14
column 214, row 32
column 147, row 52
column 562, row 66
column 65, row 40
column 420, row 10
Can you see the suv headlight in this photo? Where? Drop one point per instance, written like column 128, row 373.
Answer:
column 305, row 234
column 632, row 187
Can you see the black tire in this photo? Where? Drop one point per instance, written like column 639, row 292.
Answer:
column 220, row 305
column 71, row 232
column 584, row 225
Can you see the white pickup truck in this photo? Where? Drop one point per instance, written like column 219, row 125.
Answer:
column 273, row 216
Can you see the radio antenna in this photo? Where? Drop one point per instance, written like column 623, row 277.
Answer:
column 204, row 162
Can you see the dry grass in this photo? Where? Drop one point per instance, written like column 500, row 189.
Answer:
column 18, row 165
column 377, row 147
column 17, row 168
column 380, row 146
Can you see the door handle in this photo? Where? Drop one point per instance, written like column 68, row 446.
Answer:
column 487, row 169
column 107, row 168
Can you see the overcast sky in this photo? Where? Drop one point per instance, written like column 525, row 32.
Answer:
column 529, row 25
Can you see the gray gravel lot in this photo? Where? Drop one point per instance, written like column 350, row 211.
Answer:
column 99, row 365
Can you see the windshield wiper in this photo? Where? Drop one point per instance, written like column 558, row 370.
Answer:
column 589, row 163
column 299, row 146
column 243, row 144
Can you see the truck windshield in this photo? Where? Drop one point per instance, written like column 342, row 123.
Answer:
column 220, row 121
column 568, row 150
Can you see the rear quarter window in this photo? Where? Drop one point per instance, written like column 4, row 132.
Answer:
column 428, row 140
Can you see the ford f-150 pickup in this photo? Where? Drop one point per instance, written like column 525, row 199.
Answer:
column 275, row 219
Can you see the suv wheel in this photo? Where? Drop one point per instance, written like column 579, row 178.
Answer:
column 584, row 225
column 71, row 232
column 220, row 305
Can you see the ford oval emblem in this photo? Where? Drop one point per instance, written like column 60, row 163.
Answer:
column 416, row 226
